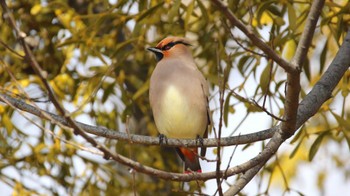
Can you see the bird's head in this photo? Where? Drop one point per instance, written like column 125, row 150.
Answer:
column 171, row 47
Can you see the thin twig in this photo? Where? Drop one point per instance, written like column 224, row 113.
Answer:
column 267, row 112
column 241, row 45
column 10, row 49
column 222, row 84
column 253, row 102
column 253, row 37
column 292, row 93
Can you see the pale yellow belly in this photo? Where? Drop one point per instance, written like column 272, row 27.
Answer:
column 178, row 117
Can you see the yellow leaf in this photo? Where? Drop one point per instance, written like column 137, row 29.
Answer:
column 289, row 50
column 264, row 20
column 35, row 9
column 288, row 166
column 2, row 109
column 6, row 121
column 63, row 83
column 24, row 82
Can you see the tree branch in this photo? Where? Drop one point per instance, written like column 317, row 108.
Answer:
column 307, row 34
column 254, row 38
column 293, row 79
column 138, row 139
column 323, row 89
column 312, row 102
column 242, row 181
column 308, row 107
column 269, row 150
column 289, row 126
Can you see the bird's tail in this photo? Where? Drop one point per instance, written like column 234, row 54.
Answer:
column 190, row 157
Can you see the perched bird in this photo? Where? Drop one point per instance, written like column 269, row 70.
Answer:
column 179, row 97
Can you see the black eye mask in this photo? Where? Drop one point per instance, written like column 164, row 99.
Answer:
column 171, row 44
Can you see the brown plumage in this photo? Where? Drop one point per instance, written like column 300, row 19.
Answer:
column 179, row 97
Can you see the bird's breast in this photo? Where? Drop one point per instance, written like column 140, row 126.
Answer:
column 179, row 116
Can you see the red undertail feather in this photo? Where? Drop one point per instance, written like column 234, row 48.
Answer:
column 190, row 157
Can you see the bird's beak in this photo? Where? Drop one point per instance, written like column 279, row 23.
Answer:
column 154, row 50
column 158, row 52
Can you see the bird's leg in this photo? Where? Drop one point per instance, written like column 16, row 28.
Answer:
column 203, row 149
column 200, row 140
column 162, row 138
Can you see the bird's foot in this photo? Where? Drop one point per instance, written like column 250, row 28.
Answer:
column 162, row 138
column 200, row 140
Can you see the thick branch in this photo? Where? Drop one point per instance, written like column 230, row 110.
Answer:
column 270, row 148
column 262, row 157
column 308, row 32
column 253, row 37
column 312, row 102
column 138, row 139
column 291, row 104
column 242, row 181
column 293, row 79
column 322, row 90
column 292, row 91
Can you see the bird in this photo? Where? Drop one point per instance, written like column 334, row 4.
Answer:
column 178, row 95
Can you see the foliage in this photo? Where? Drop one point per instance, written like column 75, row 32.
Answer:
column 94, row 54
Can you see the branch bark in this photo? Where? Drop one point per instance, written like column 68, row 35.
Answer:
column 307, row 34
column 138, row 139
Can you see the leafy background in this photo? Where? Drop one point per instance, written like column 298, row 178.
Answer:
column 95, row 57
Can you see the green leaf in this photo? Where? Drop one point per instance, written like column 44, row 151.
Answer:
column 300, row 133
column 226, row 108
column 295, row 150
column 292, row 17
column 141, row 90
column 307, row 69
column 265, row 79
column 174, row 11
column 107, row 92
column 204, row 10
column 189, row 12
column 323, row 57
column 149, row 11
column 242, row 64
column 316, row 145
column 342, row 122
column 344, row 127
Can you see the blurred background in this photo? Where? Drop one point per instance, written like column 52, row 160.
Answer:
column 95, row 55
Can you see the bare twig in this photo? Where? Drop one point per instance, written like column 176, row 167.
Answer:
column 241, row 45
column 321, row 92
column 253, row 102
column 292, row 91
column 222, row 84
column 242, row 181
column 253, row 37
column 10, row 49
column 267, row 112
column 304, row 112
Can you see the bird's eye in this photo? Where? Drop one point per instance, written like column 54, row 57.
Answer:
column 168, row 46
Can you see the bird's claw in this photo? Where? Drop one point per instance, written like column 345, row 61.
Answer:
column 162, row 138
column 200, row 140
